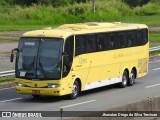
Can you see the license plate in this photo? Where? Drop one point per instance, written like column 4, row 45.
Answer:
column 35, row 92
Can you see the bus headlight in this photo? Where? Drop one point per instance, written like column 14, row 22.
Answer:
column 20, row 84
column 51, row 85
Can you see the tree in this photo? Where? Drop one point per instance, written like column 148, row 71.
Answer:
column 135, row 3
column 26, row 2
column 43, row 2
column 9, row 2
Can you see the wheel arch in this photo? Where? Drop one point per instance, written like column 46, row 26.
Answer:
column 79, row 82
column 134, row 68
column 126, row 69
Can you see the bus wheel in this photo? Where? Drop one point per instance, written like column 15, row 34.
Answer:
column 36, row 96
column 132, row 78
column 75, row 90
column 123, row 84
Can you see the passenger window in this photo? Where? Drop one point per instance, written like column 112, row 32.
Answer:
column 80, row 45
column 121, row 40
column 142, row 36
column 131, row 41
column 145, row 36
column 69, row 46
column 139, row 37
column 112, row 41
column 101, row 42
column 91, row 45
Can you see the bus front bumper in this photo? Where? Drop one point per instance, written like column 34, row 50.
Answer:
column 40, row 91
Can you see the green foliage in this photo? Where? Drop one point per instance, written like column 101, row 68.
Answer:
column 149, row 9
column 7, row 79
column 110, row 10
column 115, row 6
column 78, row 9
column 44, row 2
column 54, row 3
column 154, row 36
column 7, row 2
column 22, row 27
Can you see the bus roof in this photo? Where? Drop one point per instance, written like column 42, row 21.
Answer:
column 66, row 30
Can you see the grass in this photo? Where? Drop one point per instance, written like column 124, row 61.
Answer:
column 9, row 39
column 154, row 37
column 155, row 53
column 7, row 79
column 37, row 16
column 148, row 20
column 22, row 27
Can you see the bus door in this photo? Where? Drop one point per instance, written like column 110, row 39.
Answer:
column 68, row 61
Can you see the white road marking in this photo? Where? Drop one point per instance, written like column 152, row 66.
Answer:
column 78, row 104
column 156, row 69
column 155, row 61
column 7, row 88
column 10, row 100
column 152, row 86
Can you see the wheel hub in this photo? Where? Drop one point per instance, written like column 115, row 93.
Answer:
column 74, row 90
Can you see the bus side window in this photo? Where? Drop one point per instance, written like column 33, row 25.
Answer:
column 69, row 45
column 121, row 40
column 131, row 39
column 112, row 44
column 91, row 45
column 101, row 42
column 80, row 45
column 142, row 36
column 139, row 38
column 145, row 36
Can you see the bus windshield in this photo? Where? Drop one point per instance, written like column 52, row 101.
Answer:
column 39, row 58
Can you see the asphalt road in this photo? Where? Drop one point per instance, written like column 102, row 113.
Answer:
column 92, row 100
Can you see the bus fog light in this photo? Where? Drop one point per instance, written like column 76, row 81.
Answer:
column 50, row 85
column 20, row 84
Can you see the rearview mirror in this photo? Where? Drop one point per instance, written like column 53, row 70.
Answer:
column 12, row 57
column 12, row 54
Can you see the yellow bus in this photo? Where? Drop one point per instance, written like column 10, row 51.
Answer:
column 77, row 57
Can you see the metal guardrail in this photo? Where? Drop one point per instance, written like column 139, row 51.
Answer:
column 7, row 73
column 154, row 49
column 12, row 72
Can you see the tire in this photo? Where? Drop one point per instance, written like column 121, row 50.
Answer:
column 132, row 78
column 123, row 84
column 75, row 90
column 36, row 96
